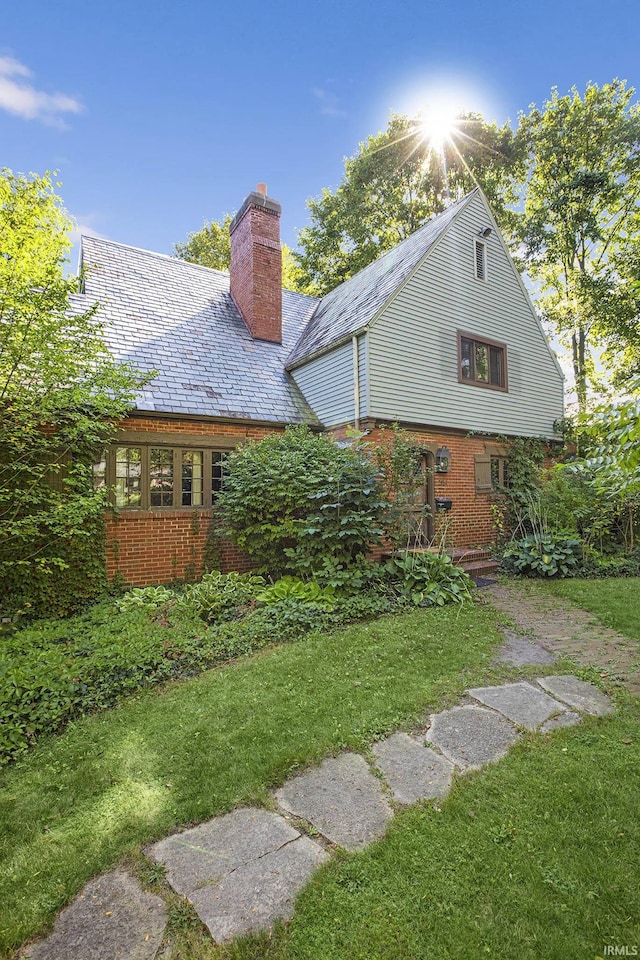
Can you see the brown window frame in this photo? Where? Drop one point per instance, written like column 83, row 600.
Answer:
column 485, row 342
column 153, row 442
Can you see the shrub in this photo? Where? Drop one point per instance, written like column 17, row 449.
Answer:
column 221, row 596
column 542, row 555
column 428, row 578
column 295, row 499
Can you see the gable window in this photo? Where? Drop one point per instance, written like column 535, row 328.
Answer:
column 480, row 259
column 161, row 476
column 482, row 362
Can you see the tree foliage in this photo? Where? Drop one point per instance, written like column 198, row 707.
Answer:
column 60, row 397
column 581, row 207
column 393, row 185
column 210, row 246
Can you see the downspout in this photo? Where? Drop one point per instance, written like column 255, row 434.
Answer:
column 356, row 384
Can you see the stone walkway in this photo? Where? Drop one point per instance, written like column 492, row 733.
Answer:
column 243, row 870
column 558, row 626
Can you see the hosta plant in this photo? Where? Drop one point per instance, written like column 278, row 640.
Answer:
column 428, row 579
column 290, row 588
column 543, row 555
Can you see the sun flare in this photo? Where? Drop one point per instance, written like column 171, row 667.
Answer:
column 438, row 122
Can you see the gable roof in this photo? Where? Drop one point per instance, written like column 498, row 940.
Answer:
column 178, row 318
column 354, row 304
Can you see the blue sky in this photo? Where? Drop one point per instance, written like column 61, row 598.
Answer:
column 158, row 116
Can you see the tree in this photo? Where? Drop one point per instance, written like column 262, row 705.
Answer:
column 211, row 247
column 61, row 395
column 581, row 201
column 393, row 185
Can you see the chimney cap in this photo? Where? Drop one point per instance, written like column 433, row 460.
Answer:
column 262, row 188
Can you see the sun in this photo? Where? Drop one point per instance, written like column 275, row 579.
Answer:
column 438, row 122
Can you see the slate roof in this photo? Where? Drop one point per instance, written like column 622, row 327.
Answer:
column 163, row 314
column 354, row 304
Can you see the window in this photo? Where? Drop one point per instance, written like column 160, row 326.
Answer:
column 482, row 362
column 217, row 473
column 500, row 473
column 192, row 478
column 480, row 259
column 158, row 477
column 128, row 476
column 491, row 471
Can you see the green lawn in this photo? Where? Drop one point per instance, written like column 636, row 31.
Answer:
column 615, row 602
column 79, row 802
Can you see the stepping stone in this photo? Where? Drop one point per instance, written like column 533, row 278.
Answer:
column 413, row 771
column 241, row 871
column 207, row 853
column 521, row 702
column 471, row 736
column 256, row 894
column 111, row 918
column 341, row 798
column 579, row 694
column 566, row 719
column 521, row 652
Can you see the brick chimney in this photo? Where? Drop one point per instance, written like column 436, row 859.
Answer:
column 256, row 265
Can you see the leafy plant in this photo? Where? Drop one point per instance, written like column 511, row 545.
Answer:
column 145, row 598
column 290, row 588
column 540, row 555
column 221, row 595
column 428, row 578
column 295, row 499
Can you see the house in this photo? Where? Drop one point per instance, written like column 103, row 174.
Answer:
column 438, row 334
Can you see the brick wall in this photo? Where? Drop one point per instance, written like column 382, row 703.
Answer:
column 470, row 518
column 157, row 546
column 160, row 545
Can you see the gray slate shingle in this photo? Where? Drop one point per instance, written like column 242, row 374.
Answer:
column 352, row 305
column 163, row 314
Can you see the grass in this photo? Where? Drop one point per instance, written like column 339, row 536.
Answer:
column 615, row 602
column 112, row 781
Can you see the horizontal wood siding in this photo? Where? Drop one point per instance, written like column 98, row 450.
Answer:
column 327, row 385
column 413, row 351
column 363, row 376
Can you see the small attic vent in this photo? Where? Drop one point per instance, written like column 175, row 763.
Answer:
column 480, row 259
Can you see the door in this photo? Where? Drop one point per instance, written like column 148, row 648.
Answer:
column 422, row 508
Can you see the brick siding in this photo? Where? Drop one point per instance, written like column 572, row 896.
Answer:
column 161, row 545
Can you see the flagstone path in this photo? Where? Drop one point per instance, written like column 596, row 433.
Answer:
column 558, row 627
column 243, row 870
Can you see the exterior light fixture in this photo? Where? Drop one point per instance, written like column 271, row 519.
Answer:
column 485, row 232
column 443, row 460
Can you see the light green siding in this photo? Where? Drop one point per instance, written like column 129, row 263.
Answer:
column 413, row 348
column 327, row 385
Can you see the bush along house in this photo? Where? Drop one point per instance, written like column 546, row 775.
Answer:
column 438, row 335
